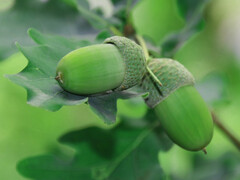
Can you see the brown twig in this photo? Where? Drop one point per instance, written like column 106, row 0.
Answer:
column 227, row 133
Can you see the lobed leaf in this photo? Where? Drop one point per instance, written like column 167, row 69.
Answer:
column 119, row 153
column 38, row 78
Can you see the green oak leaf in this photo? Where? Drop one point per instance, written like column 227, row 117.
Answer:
column 52, row 16
column 192, row 12
column 38, row 78
column 125, row 152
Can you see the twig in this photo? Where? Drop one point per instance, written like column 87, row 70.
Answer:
column 227, row 133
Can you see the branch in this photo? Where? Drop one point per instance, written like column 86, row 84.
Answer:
column 227, row 133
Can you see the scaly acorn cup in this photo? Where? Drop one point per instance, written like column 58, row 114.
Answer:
column 117, row 64
column 181, row 110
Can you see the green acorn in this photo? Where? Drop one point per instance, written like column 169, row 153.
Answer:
column 117, row 64
column 180, row 108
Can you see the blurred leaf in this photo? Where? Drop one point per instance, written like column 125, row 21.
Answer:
column 192, row 12
column 213, row 88
column 123, row 7
column 103, row 35
column 124, row 2
column 189, row 7
column 96, row 20
column 225, row 167
column 52, row 16
column 141, row 163
column 101, row 154
column 156, row 19
column 76, row 3
column 165, row 142
column 38, row 78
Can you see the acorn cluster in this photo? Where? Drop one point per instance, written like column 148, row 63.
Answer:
column 119, row 64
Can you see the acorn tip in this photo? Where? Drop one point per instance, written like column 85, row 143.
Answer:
column 204, row 150
column 57, row 77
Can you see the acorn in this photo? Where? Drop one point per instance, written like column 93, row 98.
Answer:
column 180, row 108
column 115, row 65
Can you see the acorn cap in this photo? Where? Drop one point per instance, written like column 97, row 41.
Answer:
column 172, row 75
column 134, row 59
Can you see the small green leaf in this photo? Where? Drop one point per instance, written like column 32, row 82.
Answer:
column 106, row 105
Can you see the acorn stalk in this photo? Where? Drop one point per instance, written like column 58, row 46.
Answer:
column 116, row 65
column 180, row 108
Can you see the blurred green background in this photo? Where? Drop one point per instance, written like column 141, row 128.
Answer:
column 212, row 55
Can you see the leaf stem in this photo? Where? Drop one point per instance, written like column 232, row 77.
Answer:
column 115, row 31
column 144, row 46
column 146, row 54
column 227, row 133
column 154, row 77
